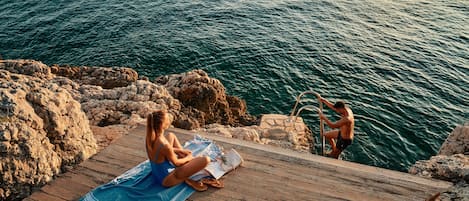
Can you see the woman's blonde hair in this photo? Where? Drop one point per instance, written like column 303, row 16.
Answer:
column 155, row 121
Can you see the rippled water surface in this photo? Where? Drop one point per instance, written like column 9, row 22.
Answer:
column 402, row 65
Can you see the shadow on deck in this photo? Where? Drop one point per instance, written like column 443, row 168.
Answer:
column 268, row 173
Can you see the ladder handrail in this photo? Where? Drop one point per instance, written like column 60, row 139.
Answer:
column 298, row 99
column 308, row 107
column 321, row 131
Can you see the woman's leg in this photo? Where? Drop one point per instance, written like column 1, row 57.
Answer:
column 182, row 173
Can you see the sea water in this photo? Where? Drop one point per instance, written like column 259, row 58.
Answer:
column 401, row 65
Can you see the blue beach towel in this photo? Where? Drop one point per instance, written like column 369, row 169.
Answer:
column 138, row 183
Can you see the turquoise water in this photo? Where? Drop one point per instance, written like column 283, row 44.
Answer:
column 402, row 65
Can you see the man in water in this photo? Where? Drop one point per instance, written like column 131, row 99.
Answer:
column 343, row 128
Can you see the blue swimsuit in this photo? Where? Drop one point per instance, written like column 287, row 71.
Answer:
column 161, row 170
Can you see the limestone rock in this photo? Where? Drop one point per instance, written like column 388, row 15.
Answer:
column 218, row 130
column 106, row 78
column 248, row 133
column 460, row 191
column 27, row 67
column 457, row 142
column 275, row 134
column 280, row 128
column 282, row 136
column 42, row 131
column 189, row 118
column 195, row 89
column 118, row 105
column 454, row 168
column 452, row 164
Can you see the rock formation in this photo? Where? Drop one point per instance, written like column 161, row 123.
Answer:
column 113, row 95
column 205, row 98
column 27, row 67
column 451, row 164
column 273, row 129
column 125, row 104
column 46, row 114
column 106, row 78
column 454, row 168
column 42, row 128
column 457, row 142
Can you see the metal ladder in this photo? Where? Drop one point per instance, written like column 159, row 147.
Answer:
column 293, row 116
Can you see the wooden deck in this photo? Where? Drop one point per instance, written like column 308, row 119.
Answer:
column 268, row 173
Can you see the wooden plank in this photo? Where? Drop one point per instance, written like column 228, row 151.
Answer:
column 268, row 173
column 360, row 177
column 70, row 185
column 58, row 191
column 131, row 142
column 122, row 152
column 285, row 187
column 83, row 179
column 304, row 174
column 135, row 152
column 123, row 163
column 256, row 185
column 316, row 162
column 96, row 177
column 103, row 168
column 41, row 196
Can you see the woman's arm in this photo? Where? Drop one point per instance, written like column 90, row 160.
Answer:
column 171, row 155
column 182, row 152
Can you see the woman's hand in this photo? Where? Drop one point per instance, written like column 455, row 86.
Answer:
column 187, row 151
column 181, row 153
column 189, row 157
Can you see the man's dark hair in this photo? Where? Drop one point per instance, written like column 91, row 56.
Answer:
column 339, row 104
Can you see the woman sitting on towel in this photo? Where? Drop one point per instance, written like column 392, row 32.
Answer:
column 170, row 163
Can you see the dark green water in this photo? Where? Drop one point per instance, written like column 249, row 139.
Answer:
column 403, row 65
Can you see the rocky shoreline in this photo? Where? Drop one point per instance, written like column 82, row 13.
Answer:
column 450, row 164
column 54, row 117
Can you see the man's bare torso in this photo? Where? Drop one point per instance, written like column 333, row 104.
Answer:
column 346, row 131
